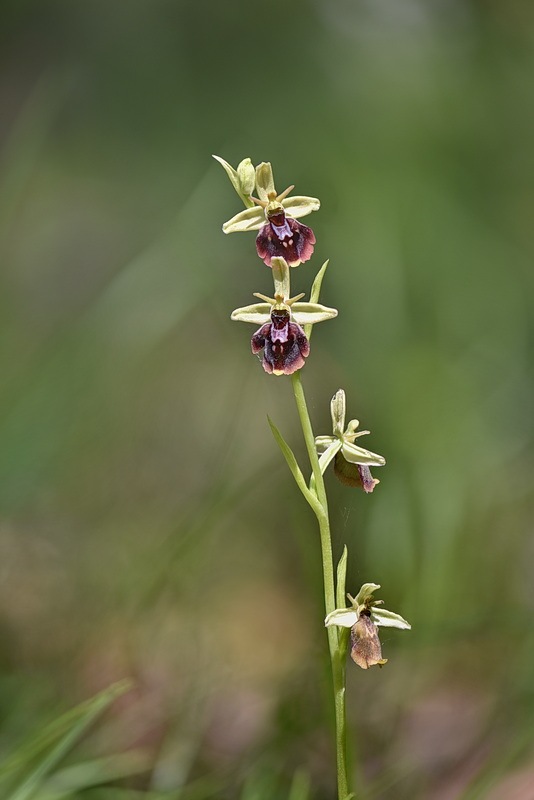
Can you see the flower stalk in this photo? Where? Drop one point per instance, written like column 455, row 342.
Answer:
column 283, row 339
column 335, row 645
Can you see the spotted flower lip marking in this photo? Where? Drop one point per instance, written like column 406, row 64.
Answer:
column 284, row 237
column 273, row 215
column 284, row 344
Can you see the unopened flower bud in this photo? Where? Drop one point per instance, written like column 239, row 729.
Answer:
column 246, row 175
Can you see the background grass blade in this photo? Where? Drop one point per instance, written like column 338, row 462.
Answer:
column 85, row 716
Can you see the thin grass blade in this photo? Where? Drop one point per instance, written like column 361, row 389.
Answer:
column 87, row 714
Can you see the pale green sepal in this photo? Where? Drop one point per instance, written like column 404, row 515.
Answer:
column 337, row 411
column 299, row 206
column 329, row 454
column 358, row 455
column 246, row 175
column 343, row 617
column 251, row 219
column 258, row 313
column 289, row 456
column 341, row 577
column 282, row 286
column 365, row 594
column 388, row 619
column 310, row 313
column 265, row 181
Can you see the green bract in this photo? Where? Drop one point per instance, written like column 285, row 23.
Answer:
column 242, row 179
column 342, row 439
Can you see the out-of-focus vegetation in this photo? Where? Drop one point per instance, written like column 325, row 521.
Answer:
column 149, row 528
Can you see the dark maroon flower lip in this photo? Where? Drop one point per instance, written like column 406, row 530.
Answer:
column 284, row 237
column 284, row 344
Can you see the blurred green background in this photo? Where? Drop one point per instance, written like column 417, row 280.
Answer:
column 149, row 527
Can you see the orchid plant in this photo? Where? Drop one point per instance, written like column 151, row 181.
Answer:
column 283, row 336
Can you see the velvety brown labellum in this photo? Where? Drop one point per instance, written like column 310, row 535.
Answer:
column 284, row 344
column 366, row 650
column 284, row 237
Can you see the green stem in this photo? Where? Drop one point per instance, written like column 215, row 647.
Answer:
column 337, row 652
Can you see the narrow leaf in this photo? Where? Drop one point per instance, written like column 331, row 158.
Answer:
column 289, row 456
